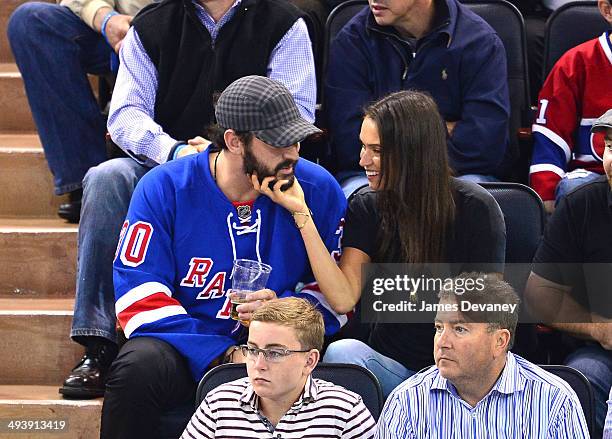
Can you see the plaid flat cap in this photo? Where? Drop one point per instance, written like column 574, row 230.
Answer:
column 604, row 122
column 264, row 107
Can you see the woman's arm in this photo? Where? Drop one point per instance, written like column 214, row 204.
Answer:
column 341, row 285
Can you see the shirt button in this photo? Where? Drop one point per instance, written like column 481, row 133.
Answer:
column 473, row 414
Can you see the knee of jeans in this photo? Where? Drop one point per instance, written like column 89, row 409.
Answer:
column 111, row 177
column 345, row 351
column 24, row 22
column 593, row 366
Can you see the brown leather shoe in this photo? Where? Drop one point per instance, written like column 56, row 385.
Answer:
column 87, row 380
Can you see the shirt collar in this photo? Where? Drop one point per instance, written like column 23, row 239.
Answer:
column 309, row 394
column 207, row 20
column 443, row 22
column 510, row 381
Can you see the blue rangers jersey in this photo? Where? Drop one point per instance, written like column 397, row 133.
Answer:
column 178, row 243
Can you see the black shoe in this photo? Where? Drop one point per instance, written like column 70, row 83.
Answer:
column 87, row 380
column 71, row 211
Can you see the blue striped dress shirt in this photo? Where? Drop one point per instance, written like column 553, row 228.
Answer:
column 525, row 402
column 131, row 119
column 607, row 434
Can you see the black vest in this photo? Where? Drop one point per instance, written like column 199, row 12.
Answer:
column 191, row 71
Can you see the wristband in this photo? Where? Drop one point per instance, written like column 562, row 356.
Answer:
column 104, row 23
column 175, row 149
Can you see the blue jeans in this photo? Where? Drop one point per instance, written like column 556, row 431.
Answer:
column 107, row 190
column 572, row 180
column 389, row 372
column 596, row 364
column 54, row 51
column 350, row 181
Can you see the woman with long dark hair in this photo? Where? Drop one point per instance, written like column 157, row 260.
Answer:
column 414, row 212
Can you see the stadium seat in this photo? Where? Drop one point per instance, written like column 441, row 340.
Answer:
column 507, row 21
column 524, row 216
column 581, row 386
column 570, row 25
column 349, row 376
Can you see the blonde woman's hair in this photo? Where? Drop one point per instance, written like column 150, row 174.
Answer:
column 295, row 313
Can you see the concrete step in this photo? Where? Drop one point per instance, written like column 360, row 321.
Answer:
column 24, row 172
column 80, row 419
column 37, row 258
column 6, row 9
column 35, row 341
column 14, row 107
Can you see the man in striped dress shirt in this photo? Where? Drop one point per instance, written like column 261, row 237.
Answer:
column 477, row 388
column 280, row 399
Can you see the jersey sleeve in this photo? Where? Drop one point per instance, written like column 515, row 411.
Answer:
column 555, row 126
column 144, row 271
column 328, row 205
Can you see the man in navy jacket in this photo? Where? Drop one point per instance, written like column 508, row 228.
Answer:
column 437, row 46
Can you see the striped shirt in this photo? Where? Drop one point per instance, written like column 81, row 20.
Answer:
column 607, row 434
column 525, row 402
column 324, row 410
column 131, row 118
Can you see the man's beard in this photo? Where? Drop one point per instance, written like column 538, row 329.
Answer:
column 251, row 164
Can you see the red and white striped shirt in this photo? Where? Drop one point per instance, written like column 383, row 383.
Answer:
column 324, row 410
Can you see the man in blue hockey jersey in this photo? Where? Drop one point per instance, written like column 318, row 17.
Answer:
column 187, row 222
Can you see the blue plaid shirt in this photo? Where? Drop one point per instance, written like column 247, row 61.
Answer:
column 132, row 109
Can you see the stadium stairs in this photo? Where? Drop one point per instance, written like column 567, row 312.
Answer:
column 37, row 277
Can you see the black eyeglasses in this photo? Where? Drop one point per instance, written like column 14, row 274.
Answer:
column 274, row 355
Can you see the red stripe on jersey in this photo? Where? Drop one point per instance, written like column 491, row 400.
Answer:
column 312, row 286
column 154, row 301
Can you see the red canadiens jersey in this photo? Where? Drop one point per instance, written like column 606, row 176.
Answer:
column 576, row 92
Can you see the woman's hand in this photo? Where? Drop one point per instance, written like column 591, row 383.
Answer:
column 291, row 199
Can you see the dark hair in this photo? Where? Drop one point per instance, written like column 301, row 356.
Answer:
column 486, row 289
column 415, row 200
column 215, row 133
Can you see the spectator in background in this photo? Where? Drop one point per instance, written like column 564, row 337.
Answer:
column 576, row 92
column 478, row 388
column 187, row 222
column 409, row 214
column 55, row 47
column 437, row 46
column 175, row 59
column 280, row 398
column 570, row 284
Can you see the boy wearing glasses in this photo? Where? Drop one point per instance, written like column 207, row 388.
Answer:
column 280, row 399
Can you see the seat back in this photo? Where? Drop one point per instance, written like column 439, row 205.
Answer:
column 581, row 386
column 570, row 25
column 352, row 377
column 507, row 22
column 336, row 20
column 524, row 215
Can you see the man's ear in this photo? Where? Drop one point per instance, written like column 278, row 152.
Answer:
column 312, row 359
column 232, row 141
column 502, row 339
column 605, row 9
